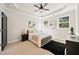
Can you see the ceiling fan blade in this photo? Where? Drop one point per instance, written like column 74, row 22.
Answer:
column 45, row 9
column 36, row 6
column 37, row 10
column 45, row 4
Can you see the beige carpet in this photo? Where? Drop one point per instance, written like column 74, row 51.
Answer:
column 24, row 48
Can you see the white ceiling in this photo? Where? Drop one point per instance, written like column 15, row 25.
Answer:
column 54, row 8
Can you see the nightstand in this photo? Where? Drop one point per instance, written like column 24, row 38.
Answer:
column 72, row 45
column 24, row 37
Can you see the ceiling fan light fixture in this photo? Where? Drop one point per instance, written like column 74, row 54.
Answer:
column 41, row 11
column 41, row 7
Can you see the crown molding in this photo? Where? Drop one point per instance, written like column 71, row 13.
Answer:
column 22, row 13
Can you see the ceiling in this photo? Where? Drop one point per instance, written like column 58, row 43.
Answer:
column 29, row 7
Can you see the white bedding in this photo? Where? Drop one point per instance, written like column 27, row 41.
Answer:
column 40, row 38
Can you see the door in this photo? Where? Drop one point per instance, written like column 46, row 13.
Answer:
column 0, row 33
column 4, row 31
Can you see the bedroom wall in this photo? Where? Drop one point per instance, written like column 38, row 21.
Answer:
column 17, row 24
column 77, row 20
column 2, row 7
column 60, row 33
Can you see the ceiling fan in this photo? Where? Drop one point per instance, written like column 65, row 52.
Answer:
column 41, row 7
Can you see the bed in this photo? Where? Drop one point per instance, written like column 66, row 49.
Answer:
column 40, row 39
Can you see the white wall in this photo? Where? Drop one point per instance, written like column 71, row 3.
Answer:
column 2, row 7
column 77, row 20
column 61, row 33
column 17, row 23
column 65, row 32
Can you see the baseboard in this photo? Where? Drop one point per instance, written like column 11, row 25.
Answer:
column 12, row 41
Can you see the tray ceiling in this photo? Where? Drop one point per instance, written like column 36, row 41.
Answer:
column 29, row 7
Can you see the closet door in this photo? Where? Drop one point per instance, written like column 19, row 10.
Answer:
column 4, row 32
column 0, row 33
